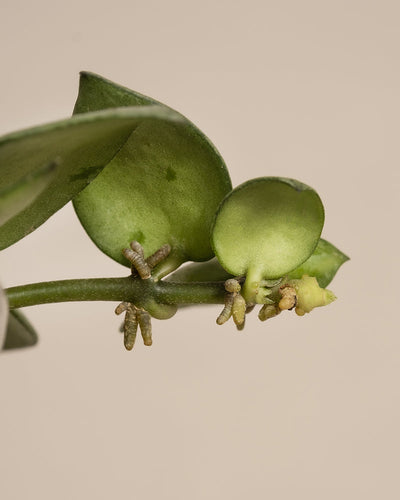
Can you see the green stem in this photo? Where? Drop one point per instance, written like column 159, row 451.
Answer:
column 116, row 289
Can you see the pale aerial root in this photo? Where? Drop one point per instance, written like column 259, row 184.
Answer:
column 289, row 298
column 130, row 324
column 136, row 316
column 235, row 305
column 288, row 301
column 303, row 295
column 140, row 265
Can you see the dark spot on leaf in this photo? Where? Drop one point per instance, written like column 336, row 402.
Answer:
column 170, row 174
column 86, row 174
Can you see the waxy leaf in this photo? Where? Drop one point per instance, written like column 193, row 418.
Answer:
column 20, row 333
column 163, row 186
column 20, row 195
column 265, row 228
column 323, row 264
column 80, row 147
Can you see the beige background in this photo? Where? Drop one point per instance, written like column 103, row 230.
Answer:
column 304, row 408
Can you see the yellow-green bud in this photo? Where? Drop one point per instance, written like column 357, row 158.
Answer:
column 310, row 294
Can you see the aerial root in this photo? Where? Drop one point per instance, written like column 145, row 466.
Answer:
column 289, row 298
column 235, row 305
column 134, row 317
column 140, row 265
column 137, row 317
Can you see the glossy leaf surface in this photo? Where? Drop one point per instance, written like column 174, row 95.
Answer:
column 267, row 227
column 80, row 147
column 162, row 187
column 20, row 333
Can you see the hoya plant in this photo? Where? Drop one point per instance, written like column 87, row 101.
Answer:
column 154, row 194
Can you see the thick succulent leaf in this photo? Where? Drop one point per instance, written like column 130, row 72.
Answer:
column 20, row 333
column 3, row 316
column 323, row 264
column 20, row 195
column 79, row 146
column 163, row 186
column 265, row 228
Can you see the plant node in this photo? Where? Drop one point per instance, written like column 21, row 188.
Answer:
column 137, row 316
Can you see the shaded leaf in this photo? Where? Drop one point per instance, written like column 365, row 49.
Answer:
column 200, row 271
column 323, row 264
column 21, row 194
column 20, row 333
column 162, row 187
column 80, row 146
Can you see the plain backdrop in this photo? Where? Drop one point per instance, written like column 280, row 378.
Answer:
column 304, row 408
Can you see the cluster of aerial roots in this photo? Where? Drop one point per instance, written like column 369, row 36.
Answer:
column 235, row 305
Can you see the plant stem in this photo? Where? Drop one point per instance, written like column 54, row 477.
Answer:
column 127, row 289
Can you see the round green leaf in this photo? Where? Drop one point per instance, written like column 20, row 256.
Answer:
column 80, row 147
column 265, row 228
column 162, row 187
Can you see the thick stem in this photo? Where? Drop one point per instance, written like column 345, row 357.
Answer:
column 136, row 291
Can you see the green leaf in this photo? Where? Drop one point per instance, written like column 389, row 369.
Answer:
column 20, row 195
column 80, row 147
column 3, row 315
column 162, row 187
column 323, row 264
column 20, row 333
column 200, row 271
column 97, row 93
column 265, row 228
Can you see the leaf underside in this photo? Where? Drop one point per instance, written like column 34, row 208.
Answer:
column 20, row 195
column 77, row 148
